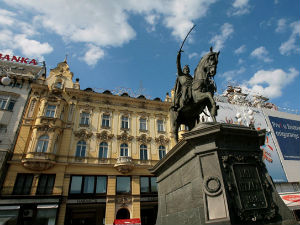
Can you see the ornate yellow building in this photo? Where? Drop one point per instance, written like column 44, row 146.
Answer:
column 82, row 157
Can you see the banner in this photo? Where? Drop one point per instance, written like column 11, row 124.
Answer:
column 227, row 113
column 287, row 133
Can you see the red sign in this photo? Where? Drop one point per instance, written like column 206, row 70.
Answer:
column 291, row 198
column 18, row 59
column 136, row 221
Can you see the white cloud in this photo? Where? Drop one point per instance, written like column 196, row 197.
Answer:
column 281, row 25
column 290, row 46
column 219, row 40
column 106, row 23
column 6, row 17
column 93, row 54
column 231, row 74
column 262, row 54
column 193, row 55
column 270, row 83
column 31, row 48
column 239, row 7
column 240, row 50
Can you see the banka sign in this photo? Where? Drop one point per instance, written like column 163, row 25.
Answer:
column 18, row 59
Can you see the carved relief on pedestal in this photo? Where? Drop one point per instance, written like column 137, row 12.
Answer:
column 104, row 136
column 162, row 140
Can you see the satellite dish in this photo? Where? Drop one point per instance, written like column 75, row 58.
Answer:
column 5, row 80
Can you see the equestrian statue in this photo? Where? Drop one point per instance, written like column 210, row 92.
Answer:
column 193, row 94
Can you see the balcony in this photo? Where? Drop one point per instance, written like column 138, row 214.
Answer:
column 124, row 164
column 38, row 161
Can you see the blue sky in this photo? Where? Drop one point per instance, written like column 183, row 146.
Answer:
column 133, row 44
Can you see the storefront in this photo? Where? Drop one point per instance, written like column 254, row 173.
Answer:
column 85, row 211
column 28, row 211
column 292, row 200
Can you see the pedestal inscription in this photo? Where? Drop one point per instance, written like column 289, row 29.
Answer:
column 250, row 190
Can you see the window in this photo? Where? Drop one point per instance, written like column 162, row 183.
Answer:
column 123, row 149
column 125, row 122
column 50, row 111
column 45, row 185
column 3, row 101
column 84, row 118
column 103, row 147
column 88, row 185
column 143, row 124
column 143, row 152
column 58, row 84
column 3, row 128
column 105, row 120
column 123, row 185
column 80, row 149
column 23, row 184
column 160, row 126
column 42, row 144
column 148, row 184
column 161, row 151
column 7, row 103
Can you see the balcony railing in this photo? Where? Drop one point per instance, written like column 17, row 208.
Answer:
column 32, row 191
column 38, row 157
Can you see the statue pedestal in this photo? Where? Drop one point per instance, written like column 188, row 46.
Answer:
column 215, row 175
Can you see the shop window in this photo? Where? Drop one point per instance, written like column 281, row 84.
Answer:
column 143, row 124
column 148, row 185
column 161, row 151
column 80, row 149
column 23, row 184
column 103, row 148
column 42, row 144
column 88, row 185
column 45, row 185
column 123, row 149
column 125, row 122
column 123, row 185
column 105, row 120
column 84, row 118
column 143, row 152
column 50, row 111
column 160, row 126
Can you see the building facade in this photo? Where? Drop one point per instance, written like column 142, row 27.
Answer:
column 13, row 97
column 82, row 157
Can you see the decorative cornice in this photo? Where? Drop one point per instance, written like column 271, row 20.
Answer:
column 144, row 139
column 125, row 137
column 83, row 133
column 104, row 136
column 162, row 140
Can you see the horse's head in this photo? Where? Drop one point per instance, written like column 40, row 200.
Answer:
column 208, row 64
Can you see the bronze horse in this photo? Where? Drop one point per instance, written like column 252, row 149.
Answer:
column 203, row 88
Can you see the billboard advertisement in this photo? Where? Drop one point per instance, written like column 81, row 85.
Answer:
column 287, row 133
column 229, row 113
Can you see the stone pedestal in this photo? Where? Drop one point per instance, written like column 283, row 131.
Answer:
column 216, row 175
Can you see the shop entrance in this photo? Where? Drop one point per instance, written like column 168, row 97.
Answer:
column 85, row 214
column 123, row 214
column 148, row 213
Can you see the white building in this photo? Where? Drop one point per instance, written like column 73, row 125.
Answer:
column 13, row 97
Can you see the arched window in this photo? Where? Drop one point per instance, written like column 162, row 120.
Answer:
column 123, row 149
column 161, row 151
column 42, row 144
column 103, row 147
column 143, row 152
column 80, row 149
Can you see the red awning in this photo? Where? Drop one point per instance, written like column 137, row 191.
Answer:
column 128, row 222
